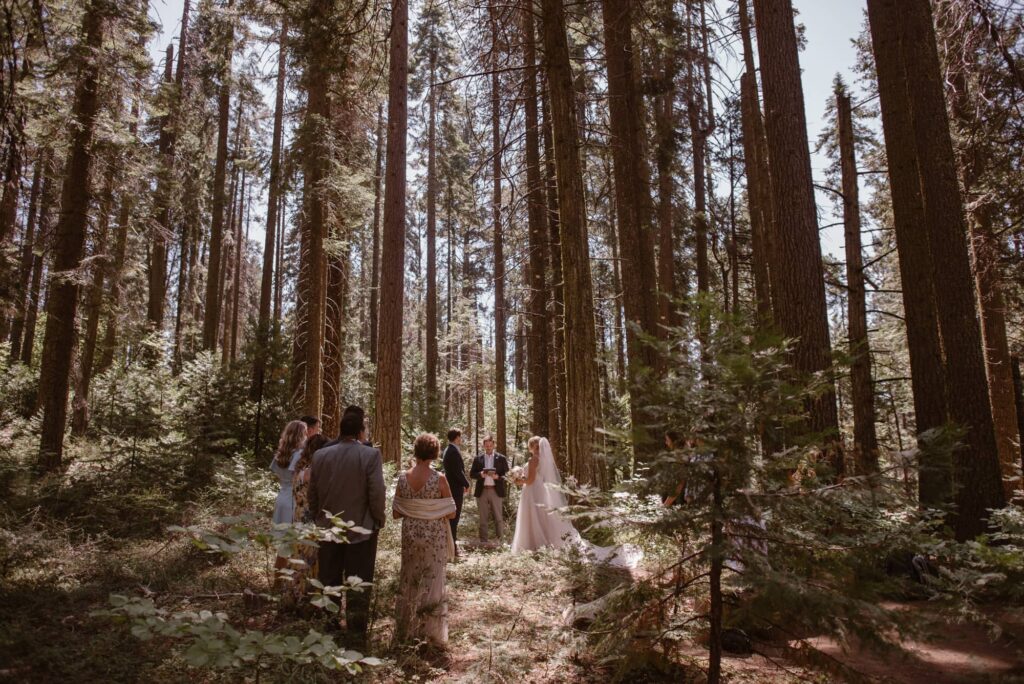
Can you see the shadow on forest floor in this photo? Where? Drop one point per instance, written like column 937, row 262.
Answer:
column 505, row 618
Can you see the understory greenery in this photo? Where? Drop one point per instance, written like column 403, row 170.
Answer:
column 158, row 528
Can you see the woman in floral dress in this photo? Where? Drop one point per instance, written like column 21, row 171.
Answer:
column 423, row 500
column 300, row 489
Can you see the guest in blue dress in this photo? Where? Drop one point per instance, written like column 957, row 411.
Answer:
column 289, row 450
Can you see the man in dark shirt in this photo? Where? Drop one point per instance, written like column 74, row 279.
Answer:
column 455, row 473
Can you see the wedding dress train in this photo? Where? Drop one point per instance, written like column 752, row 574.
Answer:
column 539, row 523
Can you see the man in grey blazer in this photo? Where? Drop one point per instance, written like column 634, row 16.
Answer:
column 347, row 480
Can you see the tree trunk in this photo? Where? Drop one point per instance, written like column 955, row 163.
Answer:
column 334, row 339
column 161, row 224
column 93, row 307
column 758, row 182
column 223, row 294
column 975, row 469
column 698, row 137
column 864, row 438
column 538, row 334
column 928, row 382
column 500, row 315
column 1018, row 396
column 273, row 204
column 279, row 266
column 801, row 309
column 11, row 190
column 973, row 164
column 109, row 346
column 433, row 414
column 182, row 295
column 665, row 153
column 633, row 209
column 28, row 248
column 212, row 309
column 316, row 161
column 519, row 358
column 239, row 264
column 392, row 276
column 992, row 305
column 62, row 302
column 582, row 399
column 620, row 332
column 557, row 389
column 375, row 267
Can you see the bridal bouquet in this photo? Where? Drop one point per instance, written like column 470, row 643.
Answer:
column 517, row 475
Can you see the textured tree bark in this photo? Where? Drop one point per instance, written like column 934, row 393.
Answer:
column 273, row 202
column 538, row 336
column 69, row 242
column 334, row 339
column 582, row 399
column 935, row 486
column 161, row 223
column 93, row 306
column 498, row 273
column 633, row 208
column 212, row 308
column 239, row 265
column 519, row 355
column 28, row 248
column 11, row 191
column 976, row 469
column 864, row 437
column 28, row 341
column 973, row 166
column 698, row 143
column 665, row 153
column 116, row 264
column 800, row 306
column 992, row 306
column 392, row 276
column 316, row 135
column 375, row 267
column 279, row 266
column 620, row 332
column 433, row 413
column 758, row 241
column 1018, row 395
column 759, row 195
column 227, row 261
column 557, row 387
column 187, row 230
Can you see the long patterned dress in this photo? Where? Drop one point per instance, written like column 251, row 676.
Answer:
column 422, row 605
column 300, row 489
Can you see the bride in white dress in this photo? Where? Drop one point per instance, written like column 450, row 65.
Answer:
column 539, row 523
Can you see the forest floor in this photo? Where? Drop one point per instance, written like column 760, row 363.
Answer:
column 98, row 536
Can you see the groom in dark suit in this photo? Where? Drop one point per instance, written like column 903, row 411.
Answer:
column 455, row 473
column 489, row 470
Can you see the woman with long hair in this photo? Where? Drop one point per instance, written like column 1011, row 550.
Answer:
column 289, row 450
column 300, row 488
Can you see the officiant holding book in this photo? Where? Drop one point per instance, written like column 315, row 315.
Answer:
column 489, row 470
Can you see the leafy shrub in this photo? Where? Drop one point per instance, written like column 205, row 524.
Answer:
column 213, row 642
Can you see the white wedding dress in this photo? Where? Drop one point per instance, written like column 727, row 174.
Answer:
column 539, row 523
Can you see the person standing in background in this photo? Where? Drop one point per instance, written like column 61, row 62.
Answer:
column 489, row 470
column 455, row 473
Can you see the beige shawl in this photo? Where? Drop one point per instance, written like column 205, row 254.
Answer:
column 429, row 509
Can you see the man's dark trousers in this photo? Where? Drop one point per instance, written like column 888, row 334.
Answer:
column 338, row 562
